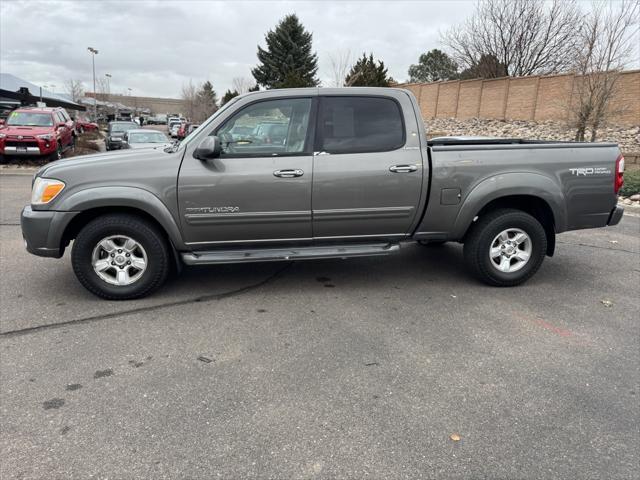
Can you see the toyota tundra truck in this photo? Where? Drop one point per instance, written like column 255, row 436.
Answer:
column 352, row 175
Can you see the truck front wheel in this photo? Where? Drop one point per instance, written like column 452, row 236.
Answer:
column 505, row 247
column 120, row 257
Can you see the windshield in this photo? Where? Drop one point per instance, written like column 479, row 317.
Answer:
column 147, row 137
column 122, row 127
column 30, row 119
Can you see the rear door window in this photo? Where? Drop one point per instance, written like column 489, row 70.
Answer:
column 360, row 124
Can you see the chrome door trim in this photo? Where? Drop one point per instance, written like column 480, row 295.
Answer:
column 247, row 217
column 363, row 213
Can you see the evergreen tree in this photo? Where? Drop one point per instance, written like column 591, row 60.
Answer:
column 228, row 95
column 208, row 98
column 288, row 60
column 487, row 67
column 367, row 73
column 433, row 66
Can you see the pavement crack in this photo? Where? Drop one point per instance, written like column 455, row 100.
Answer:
column 150, row 308
column 598, row 246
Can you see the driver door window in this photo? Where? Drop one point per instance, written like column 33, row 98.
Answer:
column 269, row 128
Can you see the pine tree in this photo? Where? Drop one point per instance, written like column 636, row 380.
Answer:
column 288, row 60
column 367, row 73
column 208, row 97
column 228, row 95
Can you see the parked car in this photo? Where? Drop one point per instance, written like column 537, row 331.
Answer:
column 115, row 132
column 182, row 131
column 355, row 176
column 270, row 132
column 38, row 132
column 185, row 129
column 84, row 125
column 173, row 129
column 141, row 138
column 157, row 120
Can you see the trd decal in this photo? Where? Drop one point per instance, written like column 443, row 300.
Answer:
column 585, row 171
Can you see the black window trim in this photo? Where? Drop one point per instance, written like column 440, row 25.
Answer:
column 319, row 139
column 308, row 142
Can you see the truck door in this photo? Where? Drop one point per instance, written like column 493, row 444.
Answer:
column 259, row 189
column 367, row 167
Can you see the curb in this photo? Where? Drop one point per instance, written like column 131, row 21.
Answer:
column 18, row 170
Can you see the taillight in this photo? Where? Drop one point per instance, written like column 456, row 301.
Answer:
column 619, row 176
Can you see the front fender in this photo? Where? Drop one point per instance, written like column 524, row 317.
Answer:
column 130, row 197
column 507, row 184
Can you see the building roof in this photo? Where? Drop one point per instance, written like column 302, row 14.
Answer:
column 10, row 86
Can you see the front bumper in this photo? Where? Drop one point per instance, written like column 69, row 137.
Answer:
column 43, row 231
column 615, row 216
column 39, row 147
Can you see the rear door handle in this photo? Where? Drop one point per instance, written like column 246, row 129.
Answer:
column 403, row 168
column 289, row 173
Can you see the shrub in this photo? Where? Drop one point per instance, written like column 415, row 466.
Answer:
column 631, row 183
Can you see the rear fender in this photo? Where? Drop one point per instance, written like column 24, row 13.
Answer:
column 507, row 184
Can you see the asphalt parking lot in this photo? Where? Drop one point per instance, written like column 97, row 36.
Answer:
column 330, row 369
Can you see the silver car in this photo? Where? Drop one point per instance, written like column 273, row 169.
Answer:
column 142, row 138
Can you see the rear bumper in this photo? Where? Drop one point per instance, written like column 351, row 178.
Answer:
column 615, row 216
column 43, row 230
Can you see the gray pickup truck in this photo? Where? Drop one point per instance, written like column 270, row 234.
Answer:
column 316, row 173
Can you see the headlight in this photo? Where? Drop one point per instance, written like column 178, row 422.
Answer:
column 44, row 190
column 3, row 135
column 46, row 136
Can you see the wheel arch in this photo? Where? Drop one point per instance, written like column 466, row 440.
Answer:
column 534, row 206
column 132, row 200
column 536, row 194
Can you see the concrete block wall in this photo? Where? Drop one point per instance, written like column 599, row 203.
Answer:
column 536, row 98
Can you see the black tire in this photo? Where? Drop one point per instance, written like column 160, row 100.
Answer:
column 479, row 242
column 140, row 230
column 57, row 155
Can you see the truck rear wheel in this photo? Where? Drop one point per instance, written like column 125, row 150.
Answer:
column 505, row 247
column 120, row 257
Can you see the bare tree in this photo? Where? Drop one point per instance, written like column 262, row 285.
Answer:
column 242, row 84
column 340, row 65
column 607, row 41
column 75, row 89
column 189, row 94
column 102, row 87
column 526, row 36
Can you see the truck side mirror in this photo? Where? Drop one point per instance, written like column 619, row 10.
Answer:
column 208, row 148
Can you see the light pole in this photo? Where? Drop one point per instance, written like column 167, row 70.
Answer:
column 93, row 53
column 108, row 75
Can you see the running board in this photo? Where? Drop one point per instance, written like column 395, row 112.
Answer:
column 292, row 253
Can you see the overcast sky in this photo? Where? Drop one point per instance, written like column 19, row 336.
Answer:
column 155, row 47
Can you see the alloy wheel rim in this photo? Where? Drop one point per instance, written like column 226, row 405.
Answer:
column 510, row 250
column 119, row 260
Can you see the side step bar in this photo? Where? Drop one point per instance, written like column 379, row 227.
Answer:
column 292, row 253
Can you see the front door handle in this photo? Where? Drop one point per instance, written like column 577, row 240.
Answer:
column 289, row 173
column 403, row 168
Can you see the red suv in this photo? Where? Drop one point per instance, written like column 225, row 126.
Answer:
column 37, row 132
